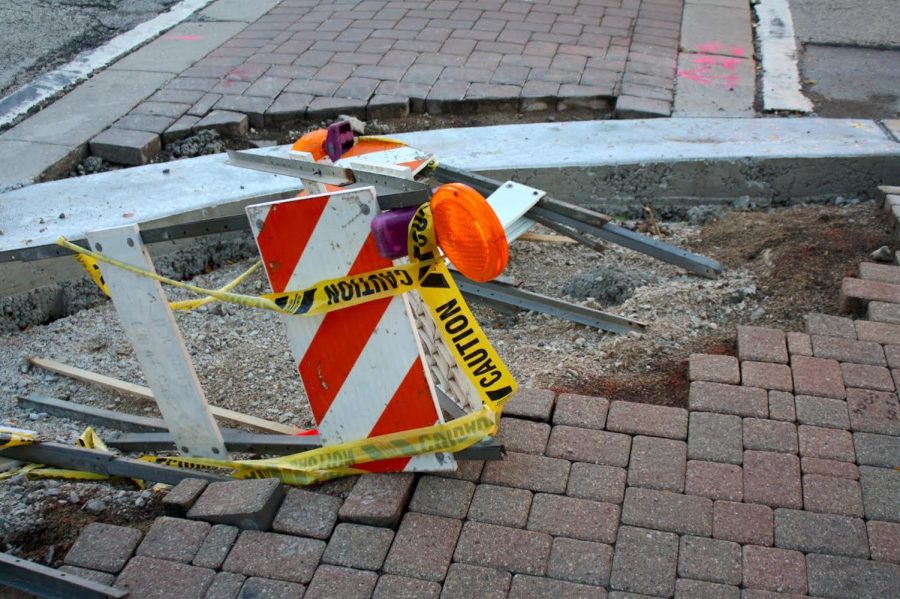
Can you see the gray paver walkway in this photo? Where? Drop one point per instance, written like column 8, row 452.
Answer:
column 316, row 59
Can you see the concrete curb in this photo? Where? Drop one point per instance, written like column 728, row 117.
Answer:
column 610, row 165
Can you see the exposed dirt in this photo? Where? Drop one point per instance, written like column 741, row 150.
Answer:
column 799, row 254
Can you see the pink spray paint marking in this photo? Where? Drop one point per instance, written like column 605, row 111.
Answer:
column 708, row 63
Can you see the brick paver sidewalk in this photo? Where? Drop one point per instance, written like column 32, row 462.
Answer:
column 309, row 59
column 780, row 480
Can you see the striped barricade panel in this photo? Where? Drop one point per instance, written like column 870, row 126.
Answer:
column 360, row 366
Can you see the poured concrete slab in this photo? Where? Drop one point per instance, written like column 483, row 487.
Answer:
column 714, row 86
column 716, row 29
column 571, row 151
column 97, row 102
column 181, row 47
column 860, row 82
column 21, row 162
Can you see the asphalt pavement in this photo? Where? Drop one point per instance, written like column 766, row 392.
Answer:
column 850, row 63
column 38, row 36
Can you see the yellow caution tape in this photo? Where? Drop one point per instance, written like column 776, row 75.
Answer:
column 88, row 439
column 93, row 270
column 196, row 303
column 426, row 273
column 324, row 296
column 13, row 437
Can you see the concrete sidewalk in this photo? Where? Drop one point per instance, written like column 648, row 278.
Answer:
column 239, row 64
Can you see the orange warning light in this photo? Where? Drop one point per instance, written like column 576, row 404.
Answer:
column 312, row 142
column 469, row 232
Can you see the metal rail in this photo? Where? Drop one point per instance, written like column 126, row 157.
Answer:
column 528, row 300
column 592, row 223
column 39, row 580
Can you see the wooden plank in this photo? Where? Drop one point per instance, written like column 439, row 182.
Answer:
column 42, row 581
column 121, row 386
column 529, row 236
column 144, row 313
column 71, row 457
column 91, row 415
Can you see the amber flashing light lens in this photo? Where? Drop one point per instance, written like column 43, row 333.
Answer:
column 469, row 232
column 312, row 142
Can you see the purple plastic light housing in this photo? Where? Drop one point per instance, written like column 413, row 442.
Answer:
column 339, row 139
column 391, row 231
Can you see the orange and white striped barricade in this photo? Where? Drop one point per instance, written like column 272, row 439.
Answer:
column 360, row 366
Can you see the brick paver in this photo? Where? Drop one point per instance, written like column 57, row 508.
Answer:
column 847, row 350
column 377, row 499
column 103, row 547
column 505, row 506
column 174, row 539
column 773, row 569
column 781, row 406
column 594, row 481
column 864, row 376
column 510, row 549
column 874, row 411
column 645, row 419
column 245, row 504
column 799, row 344
column 715, row 437
column 772, row 479
column 423, row 546
column 657, row 464
column 817, row 376
column 880, row 488
column 305, row 513
column 401, row 587
column 358, row 546
column 822, row 411
column 270, row 589
column 876, row 450
column 745, row 523
column 645, row 561
column 770, row 435
column 442, row 497
column 581, row 410
column 271, row 555
column 216, row 546
column 826, row 443
column 830, row 326
column 152, row 578
column 574, row 518
column 761, row 344
column 714, row 480
column 820, row 533
column 710, row 559
column 580, row 561
column 715, row 369
column 587, row 445
column 335, row 582
column 466, row 580
column 832, row 495
column 182, row 496
column 525, row 471
column 832, row 576
column 766, row 375
column 523, row 435
column 686, row 588
column 829, row 468
column 884, row 541
column 684, row 514
column 533, row 404
column 728, row 399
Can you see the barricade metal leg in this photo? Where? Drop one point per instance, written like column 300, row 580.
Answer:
column 148, row 322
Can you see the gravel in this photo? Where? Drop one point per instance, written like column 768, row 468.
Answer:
column 242, row 358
